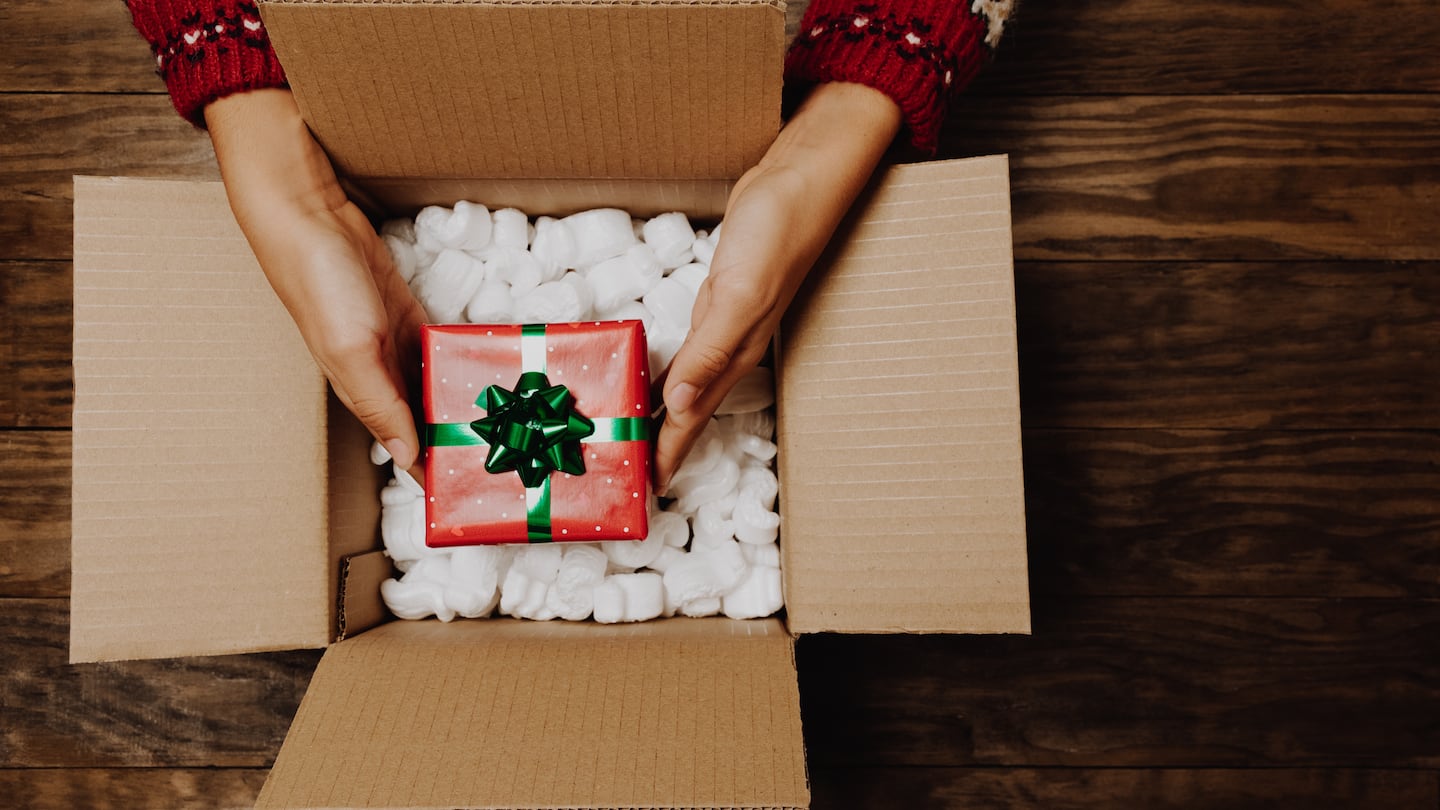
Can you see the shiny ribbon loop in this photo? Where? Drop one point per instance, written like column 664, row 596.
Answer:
column 532, row 430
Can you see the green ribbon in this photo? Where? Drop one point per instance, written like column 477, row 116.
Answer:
column 534, row 430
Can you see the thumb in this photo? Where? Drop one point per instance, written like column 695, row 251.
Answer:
column 370, row 385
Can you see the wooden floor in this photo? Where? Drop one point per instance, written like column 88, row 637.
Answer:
column 1227, row 221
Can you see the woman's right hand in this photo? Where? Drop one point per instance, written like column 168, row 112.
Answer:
column 323, row 259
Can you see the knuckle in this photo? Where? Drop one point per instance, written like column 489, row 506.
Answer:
column 711, row 360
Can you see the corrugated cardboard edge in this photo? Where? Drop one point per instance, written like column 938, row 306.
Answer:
column 503, row 713
column 899, row 415
column 198, row 512
column 358, row 603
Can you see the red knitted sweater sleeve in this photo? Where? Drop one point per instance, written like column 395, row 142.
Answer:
column 207, row 49
column 918, row 52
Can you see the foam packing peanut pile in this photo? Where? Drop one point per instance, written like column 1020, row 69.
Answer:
column 712, row 547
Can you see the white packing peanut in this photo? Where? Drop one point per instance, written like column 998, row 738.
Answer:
column 644, row 595
column 492, row 303
column 768, row 554
column 624, row 278
column 671, row 301
column 759, row 594
column 448, row 284
column 669, row 555
column 633, row 311
column 600, row 234
column 703, row 250
column 708, row 606
column 518, row 268
column 552, row 302
column 609, row 602
column 511, row 229
column 554, row 247
column 692, row 276
column 465, row 227
column 634, row 554
column 378, row 454
column 671, row 236
column 671, row 527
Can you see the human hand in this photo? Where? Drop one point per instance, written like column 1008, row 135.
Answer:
column 323, row 259
column 778, row 220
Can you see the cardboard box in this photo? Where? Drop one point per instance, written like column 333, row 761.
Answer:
column 224, row 503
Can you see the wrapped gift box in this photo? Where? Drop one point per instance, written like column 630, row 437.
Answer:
column 536, row 433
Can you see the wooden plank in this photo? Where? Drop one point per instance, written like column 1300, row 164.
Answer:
column 73, row 45
column 1224, row 46
column 1233, row 513
column 51, row 138
column 1110, row 512
column 1117, row 47
column 128, row 788
column 36, row 379
column 1293, row 345
column 861, row 788
column 34, row 513
column 227, row 711
column 1139, row 682
column 1214, row 177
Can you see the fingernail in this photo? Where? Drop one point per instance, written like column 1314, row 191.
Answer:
column 400, row 452
column 681, row 397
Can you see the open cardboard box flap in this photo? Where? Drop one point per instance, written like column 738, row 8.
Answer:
column 683, row 713
column 646, row 105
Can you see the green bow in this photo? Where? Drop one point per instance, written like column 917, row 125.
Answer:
column 532, row 430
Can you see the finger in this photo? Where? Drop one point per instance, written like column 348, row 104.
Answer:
column 366, row 376
column 725, row 342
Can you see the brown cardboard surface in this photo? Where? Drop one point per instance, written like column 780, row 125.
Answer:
column 899, row 416
column 360, row 604
column 640, row 90
column 679, row 713
column 200, row 490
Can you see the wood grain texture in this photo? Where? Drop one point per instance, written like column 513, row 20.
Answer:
column 1164, row 682
column 229, row 711
column 75, row 46
column 1233, row 513
column 36, row 316
column 1219, row 46
column 1214, row 177
column 1293, row 345
column 131, row 788
column 1109, row 512
column 1118, row 47
column 50, row 138
column 1153, row 789
column 34, row 513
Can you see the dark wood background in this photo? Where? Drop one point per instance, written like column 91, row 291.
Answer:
column 1228, row 278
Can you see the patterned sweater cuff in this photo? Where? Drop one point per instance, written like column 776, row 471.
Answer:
column 206, row 50
column 918, row 52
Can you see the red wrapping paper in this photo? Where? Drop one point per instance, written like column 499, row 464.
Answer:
column 604, row 364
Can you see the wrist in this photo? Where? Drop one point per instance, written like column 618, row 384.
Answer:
column 266, row 152
column 840, row 125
